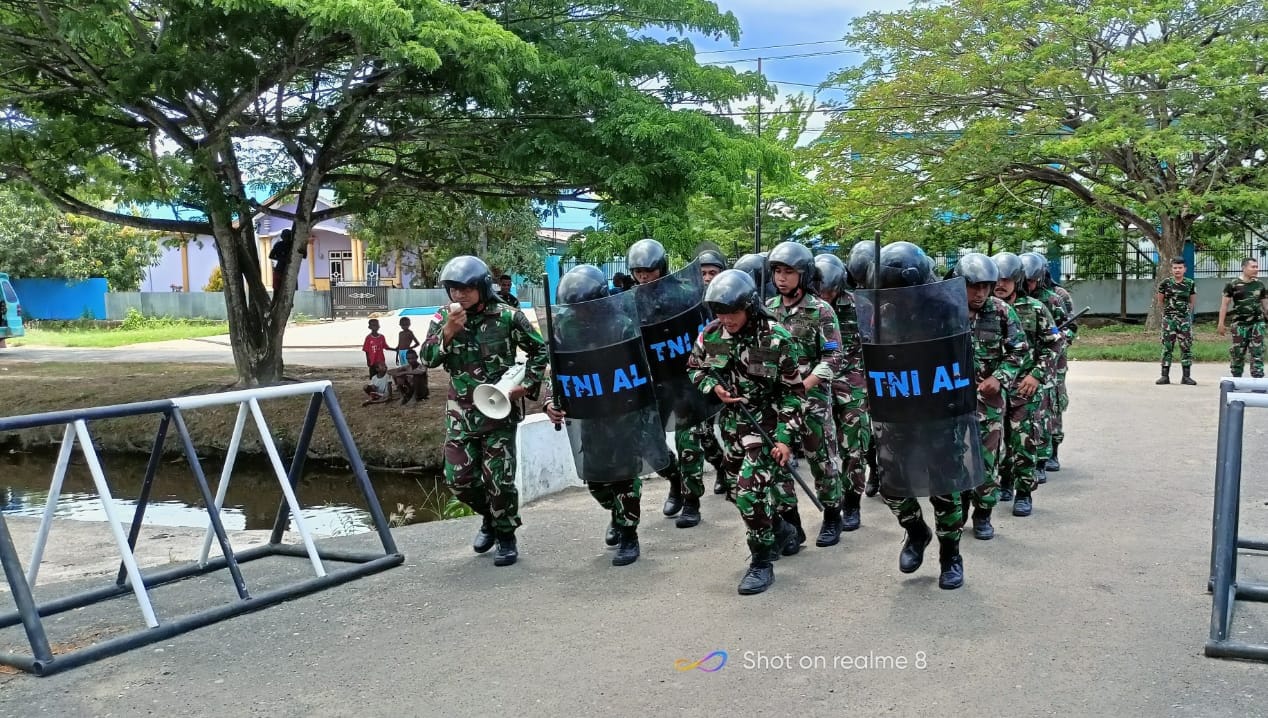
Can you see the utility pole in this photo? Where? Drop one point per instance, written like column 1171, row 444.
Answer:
column 757, row 213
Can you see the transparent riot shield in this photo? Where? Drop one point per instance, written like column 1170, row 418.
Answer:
column 671, row 310
column 918, row 360
column 603, row 382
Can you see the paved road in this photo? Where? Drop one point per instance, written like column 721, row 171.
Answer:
column 1094, row 606
column 173, row 352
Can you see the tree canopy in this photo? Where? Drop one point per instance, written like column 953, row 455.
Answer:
column 185, row 103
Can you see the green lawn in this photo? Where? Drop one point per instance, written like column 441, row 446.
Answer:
column 1127, row 342
column 105, row 338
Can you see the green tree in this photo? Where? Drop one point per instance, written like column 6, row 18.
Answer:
column 1151, row 112
column 427, row 230
column 36, row 240
column 187, row 103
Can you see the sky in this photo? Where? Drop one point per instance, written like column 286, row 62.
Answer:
column 764, row 23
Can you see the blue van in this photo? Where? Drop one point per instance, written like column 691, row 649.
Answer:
column 11, row 315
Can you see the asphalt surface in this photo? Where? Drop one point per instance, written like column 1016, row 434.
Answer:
column 176, row 352
column 1095, row 606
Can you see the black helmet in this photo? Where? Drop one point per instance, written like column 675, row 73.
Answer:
column 468, row 271
column 647, row 254
column 731, row 291
column 755, row 266
column 976, row 268
column 581, row 284
column 1010, row 267
column 831, row 272
column 1034, row 266
column 859, row 266
column 711, row 258
column 903, row 264
column 797, row 257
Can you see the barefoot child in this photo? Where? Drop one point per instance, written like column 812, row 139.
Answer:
column 380, row 387
column 404, row 342
column 411, row 378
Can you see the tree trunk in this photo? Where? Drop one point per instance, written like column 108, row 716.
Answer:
column 257, row 349
column 1170, row 244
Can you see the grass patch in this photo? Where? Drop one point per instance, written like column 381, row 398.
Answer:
column 1132, row 342
column 106, row 338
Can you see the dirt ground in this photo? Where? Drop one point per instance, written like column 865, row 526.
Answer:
column 388, row 435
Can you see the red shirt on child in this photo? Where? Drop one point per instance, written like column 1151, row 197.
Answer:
column 374, row 346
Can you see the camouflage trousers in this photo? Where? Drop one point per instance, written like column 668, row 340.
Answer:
column 819, row 443
column 1177, row 330
column 1024, row 437
column 948, row 513
column 480, row 472
column 621, row 499
column 990, row 423
column 854, row 431
column 1048, row 417
column 757, row 493
column 1061, row 401
column 696, row 445
column 1247, row 337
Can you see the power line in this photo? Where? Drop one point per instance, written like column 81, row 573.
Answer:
column 770, row 47
column 781, row 57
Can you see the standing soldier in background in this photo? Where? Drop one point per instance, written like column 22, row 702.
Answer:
column 1177, row 296
column 1249, row 301
column 1071, row 332
column 813, row 324
column 477, row 344
column 849, row 390
column 1025, row 430
column 999, row 351
column 857, row 272
column 701, row 443
column 1035, row 266
column 741, row 356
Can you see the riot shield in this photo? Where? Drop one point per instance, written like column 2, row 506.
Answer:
column 918, row 361
column 671, row 310
column 603, row 382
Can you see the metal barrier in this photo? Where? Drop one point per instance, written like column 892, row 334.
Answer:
column 1226, row 589
column 29, row 613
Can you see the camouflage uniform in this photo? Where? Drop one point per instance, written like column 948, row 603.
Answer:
column 1177, row 326
column 1063, row 396
column 1025, row 431
column 760, row 364
column 813, row 325
column 1056, row 306
column 1248, row 325
column 479, row 451
column 999, row 350
column 695, row 446
column 849, row 397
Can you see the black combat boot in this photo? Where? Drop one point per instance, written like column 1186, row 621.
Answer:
column 792, row 546
column 1054, row 464
column 830, row 532
column 952, row 576
column 913, row 553
column 785, row 535
column 1022, row 506
column 1005, row 492
column 1041, row 475
column 485, row 536
column 982, row 528
column 761, row 573
column 507, row 553
column 851, row 519
column 1187, row 379
column 1166, row 375
column 690, row 513
column 613, row 535
column 627, row 552
column 719, row 487
column 673, row 502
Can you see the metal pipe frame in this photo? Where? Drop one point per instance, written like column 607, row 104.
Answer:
column 130, row 579
column 1228, row 385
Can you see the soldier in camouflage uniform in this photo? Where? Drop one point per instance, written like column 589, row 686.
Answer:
column 699, row 443
column 849, row 390
column 813, row 324
column 858, row 270
column 1025, row 430
column 612, row 468
column 743, row 357
column 1035, row 266
column 1249, row 301
column 1071, row 333
column 999, row 351
column 477, row 344
column 1177, row 296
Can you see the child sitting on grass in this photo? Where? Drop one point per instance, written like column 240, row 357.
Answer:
column 411, row 378
column 380, row 387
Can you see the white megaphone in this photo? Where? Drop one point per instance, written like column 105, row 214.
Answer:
column 494, row 400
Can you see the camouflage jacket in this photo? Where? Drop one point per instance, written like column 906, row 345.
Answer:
column 760, row 364
column 1247, row 298
column 1058, row 308
column 480, row 354
column 1043, row 337
column 1071, row 331
column 1000, row 348
column 851, row 340
column 813, row 325
column 1175, row 297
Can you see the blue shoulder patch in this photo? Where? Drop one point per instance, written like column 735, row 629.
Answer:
column 831, row 345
